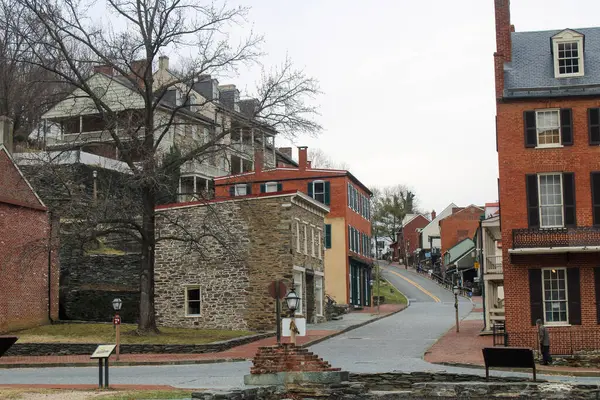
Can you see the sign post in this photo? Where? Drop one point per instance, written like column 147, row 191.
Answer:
column 102, row 353
column 277, row 290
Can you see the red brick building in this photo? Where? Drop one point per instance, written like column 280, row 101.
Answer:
column 408, row 237
column 29, row 284
column 548, row 132
column 460, row 225
column 347, row 231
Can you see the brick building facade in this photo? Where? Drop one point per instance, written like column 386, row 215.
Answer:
column 218, row 278
column 460, row 225
column 548, row 131
column 347, row 230
column 29, row 285
column 408, row 238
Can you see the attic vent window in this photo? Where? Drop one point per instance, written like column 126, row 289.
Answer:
column 568, row 54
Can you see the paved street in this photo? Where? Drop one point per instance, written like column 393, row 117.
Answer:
column 395, row 343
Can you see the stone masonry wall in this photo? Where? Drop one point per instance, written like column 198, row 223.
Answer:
column 235, row 250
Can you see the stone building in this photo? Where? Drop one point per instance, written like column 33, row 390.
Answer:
column 215, row 259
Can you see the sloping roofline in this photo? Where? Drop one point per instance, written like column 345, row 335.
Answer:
column 42, row 206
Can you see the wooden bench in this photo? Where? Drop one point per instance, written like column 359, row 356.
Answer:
column 508, row 357
column 5, row 343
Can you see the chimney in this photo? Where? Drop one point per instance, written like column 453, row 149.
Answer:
column 302, row 157
column 138, row 70
column 503, row 42
column 104, row 69
column 163, row 63
column 433, row 215
column 6, row 133
column 259, row 160
column 286, row 151
column 309, row 164
column 229, row 96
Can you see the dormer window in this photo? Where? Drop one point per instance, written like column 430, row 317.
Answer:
column 567, row 48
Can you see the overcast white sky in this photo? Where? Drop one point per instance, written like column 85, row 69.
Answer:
column 408, row 85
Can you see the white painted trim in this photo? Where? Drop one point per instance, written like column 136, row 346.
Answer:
column 300, row 269
column 185, row 300
column 319, row 273
column 562, row 199
column 568, row 36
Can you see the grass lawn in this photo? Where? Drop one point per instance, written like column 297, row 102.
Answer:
column 391, row 294
column 105, row 333
column 52, row 394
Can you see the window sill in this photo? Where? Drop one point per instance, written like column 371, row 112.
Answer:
column 549, row 146
column 193, row 315
column 556, row 324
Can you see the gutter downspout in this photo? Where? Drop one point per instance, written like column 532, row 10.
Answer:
column 50, row 233
column 482, row 283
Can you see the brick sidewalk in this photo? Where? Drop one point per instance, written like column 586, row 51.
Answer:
column 240, row 353
column 464, row 349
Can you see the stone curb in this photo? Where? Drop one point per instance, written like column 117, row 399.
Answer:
column 352, row 327
column 539, row 371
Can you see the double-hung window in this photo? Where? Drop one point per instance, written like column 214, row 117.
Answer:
column 548, row 127
column 319, row 294
column 551, row 200
column 305, row 238
column 298, row 236
column 271, row 187
column 319, row 191
column 312, row 242
column 554, row 286
column 192, row 301
column 299, row 289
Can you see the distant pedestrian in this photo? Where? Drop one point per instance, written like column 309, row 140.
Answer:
column 544, row 338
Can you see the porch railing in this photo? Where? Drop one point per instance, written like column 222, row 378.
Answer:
column 493, row 265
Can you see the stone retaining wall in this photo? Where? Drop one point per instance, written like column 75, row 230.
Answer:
column 64, row 349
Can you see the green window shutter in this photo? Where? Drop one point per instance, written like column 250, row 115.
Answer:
column 232, row 191
column 327, row 193
column 249, row 188
column 327, row 236
column 279, row 186
column 262, row 188
column 310, row 189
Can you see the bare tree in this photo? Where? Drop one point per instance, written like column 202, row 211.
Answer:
column 320, row 159
column 198, row 32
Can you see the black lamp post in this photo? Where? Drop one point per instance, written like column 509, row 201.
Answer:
column 117, row 304
column 293, row 300
column 455, row 290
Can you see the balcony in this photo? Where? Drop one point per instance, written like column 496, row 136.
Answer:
column 577, row 237
column 202, row 168
column 493, row 265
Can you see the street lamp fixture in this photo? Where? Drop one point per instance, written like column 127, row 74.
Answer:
column 117, row 304
column 292, row 300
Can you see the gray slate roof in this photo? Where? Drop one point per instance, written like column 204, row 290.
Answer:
column 532, row 66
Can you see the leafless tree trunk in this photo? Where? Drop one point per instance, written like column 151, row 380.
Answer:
column 67, row 43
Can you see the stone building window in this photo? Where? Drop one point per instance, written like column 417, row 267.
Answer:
column 305, row 238
column 299, row 288
column 319, row 294
column 312, row 242
column 298, row 236
column 192, row 301
column 319, row 245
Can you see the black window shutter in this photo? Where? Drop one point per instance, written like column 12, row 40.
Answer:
column 535, row 295
column 594, row 125
column 596, row 197
column 232, row 191
column 566, row 126
column 597, row 286
column 533, row 214
column 327, row 193
column 574, row 294
column 569, row 199
column 530, row 131
column 248, row 188
column 279, row 186
column 310, row 189
column 327, row 236
column 263, row 188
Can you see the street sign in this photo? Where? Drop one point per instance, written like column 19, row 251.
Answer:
column 476, row 265
column 273, row 289
column 300, row 324
column 104, row 351
column 117, row 320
